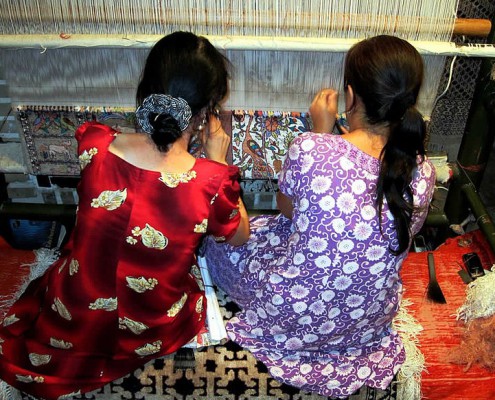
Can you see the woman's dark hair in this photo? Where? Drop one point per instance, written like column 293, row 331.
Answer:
column 182, row 65
column 386, row 73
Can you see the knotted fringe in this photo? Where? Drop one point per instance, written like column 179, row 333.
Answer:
column 477, row 313
column 480, row 299
column 44, row 258
column 409, row 376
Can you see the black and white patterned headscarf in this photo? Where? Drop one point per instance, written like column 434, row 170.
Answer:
column 163, row 104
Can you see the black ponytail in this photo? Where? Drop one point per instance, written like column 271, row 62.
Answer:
column 399, row 157
column 386, row 72
column 165, row 130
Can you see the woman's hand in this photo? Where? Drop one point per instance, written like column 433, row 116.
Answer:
column 323, row 110
column 215, row 141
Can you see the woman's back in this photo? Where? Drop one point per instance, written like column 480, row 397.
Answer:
column 125, row 288
column 318, row 292
column 337, row 232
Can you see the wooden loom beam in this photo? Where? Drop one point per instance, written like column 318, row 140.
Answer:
column 254, row 43
column 472, row 27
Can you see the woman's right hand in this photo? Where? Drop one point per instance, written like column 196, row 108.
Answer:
column 323, row 110
column 215, row 141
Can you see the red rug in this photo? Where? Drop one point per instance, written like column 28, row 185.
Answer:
column 444, row 380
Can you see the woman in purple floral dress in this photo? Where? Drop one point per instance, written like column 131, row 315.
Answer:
column 319, row 284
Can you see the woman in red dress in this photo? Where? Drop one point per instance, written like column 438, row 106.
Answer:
column 122, row 291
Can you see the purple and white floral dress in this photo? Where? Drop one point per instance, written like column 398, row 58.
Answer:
column 318, row 293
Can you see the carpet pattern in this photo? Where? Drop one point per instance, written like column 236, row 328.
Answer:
column 225, row 372
column 221, row 372
column 259, row 139
column 48, row 134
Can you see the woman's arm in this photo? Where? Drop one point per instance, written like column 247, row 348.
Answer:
column 216, row 143
column 323, row 110
column 241, row 236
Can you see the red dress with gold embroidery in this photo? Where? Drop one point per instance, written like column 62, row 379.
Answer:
column 122, row 291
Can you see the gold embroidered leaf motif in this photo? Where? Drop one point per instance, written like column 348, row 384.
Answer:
column 110, row 199
column 60, row 344
column 109, row 304
column 199, row 305
column 60, row 269
column 86, row 156
column 1, row 347
column 73, row 267
column 201, row 228
column 11, row 319
column 234, row 212
column 172, row 179
column 141, row 284
column 130, row 240
column 149, row 348
column 196, row 273
column 59, row 307
column 29, row 379
column 213, row 198
column 134, row 326
column 152, row 238
column 177, row 306
column 39, row 359
column 69, row 395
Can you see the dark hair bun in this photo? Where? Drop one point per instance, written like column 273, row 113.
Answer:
column 165, row 130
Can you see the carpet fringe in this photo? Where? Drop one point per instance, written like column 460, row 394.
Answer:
column 480, row 298
column 409, row 376
column 44, row 257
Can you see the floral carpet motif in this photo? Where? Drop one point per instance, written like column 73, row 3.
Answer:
column 260, row 141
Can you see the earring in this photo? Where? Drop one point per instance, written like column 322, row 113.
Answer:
column 202, row 125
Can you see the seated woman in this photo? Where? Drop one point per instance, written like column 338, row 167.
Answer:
column 319, row 285
column 122, row 293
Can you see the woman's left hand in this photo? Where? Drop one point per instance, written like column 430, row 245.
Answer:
column 215, row 141
column 323, row 110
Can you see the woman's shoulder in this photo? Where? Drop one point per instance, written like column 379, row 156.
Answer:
column 211, row 168
column 308, row 140
column 94, row 130
column 93, row 138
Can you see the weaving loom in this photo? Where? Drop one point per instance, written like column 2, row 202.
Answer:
column 67, row 62
column 89, row 54
column 282, row 52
